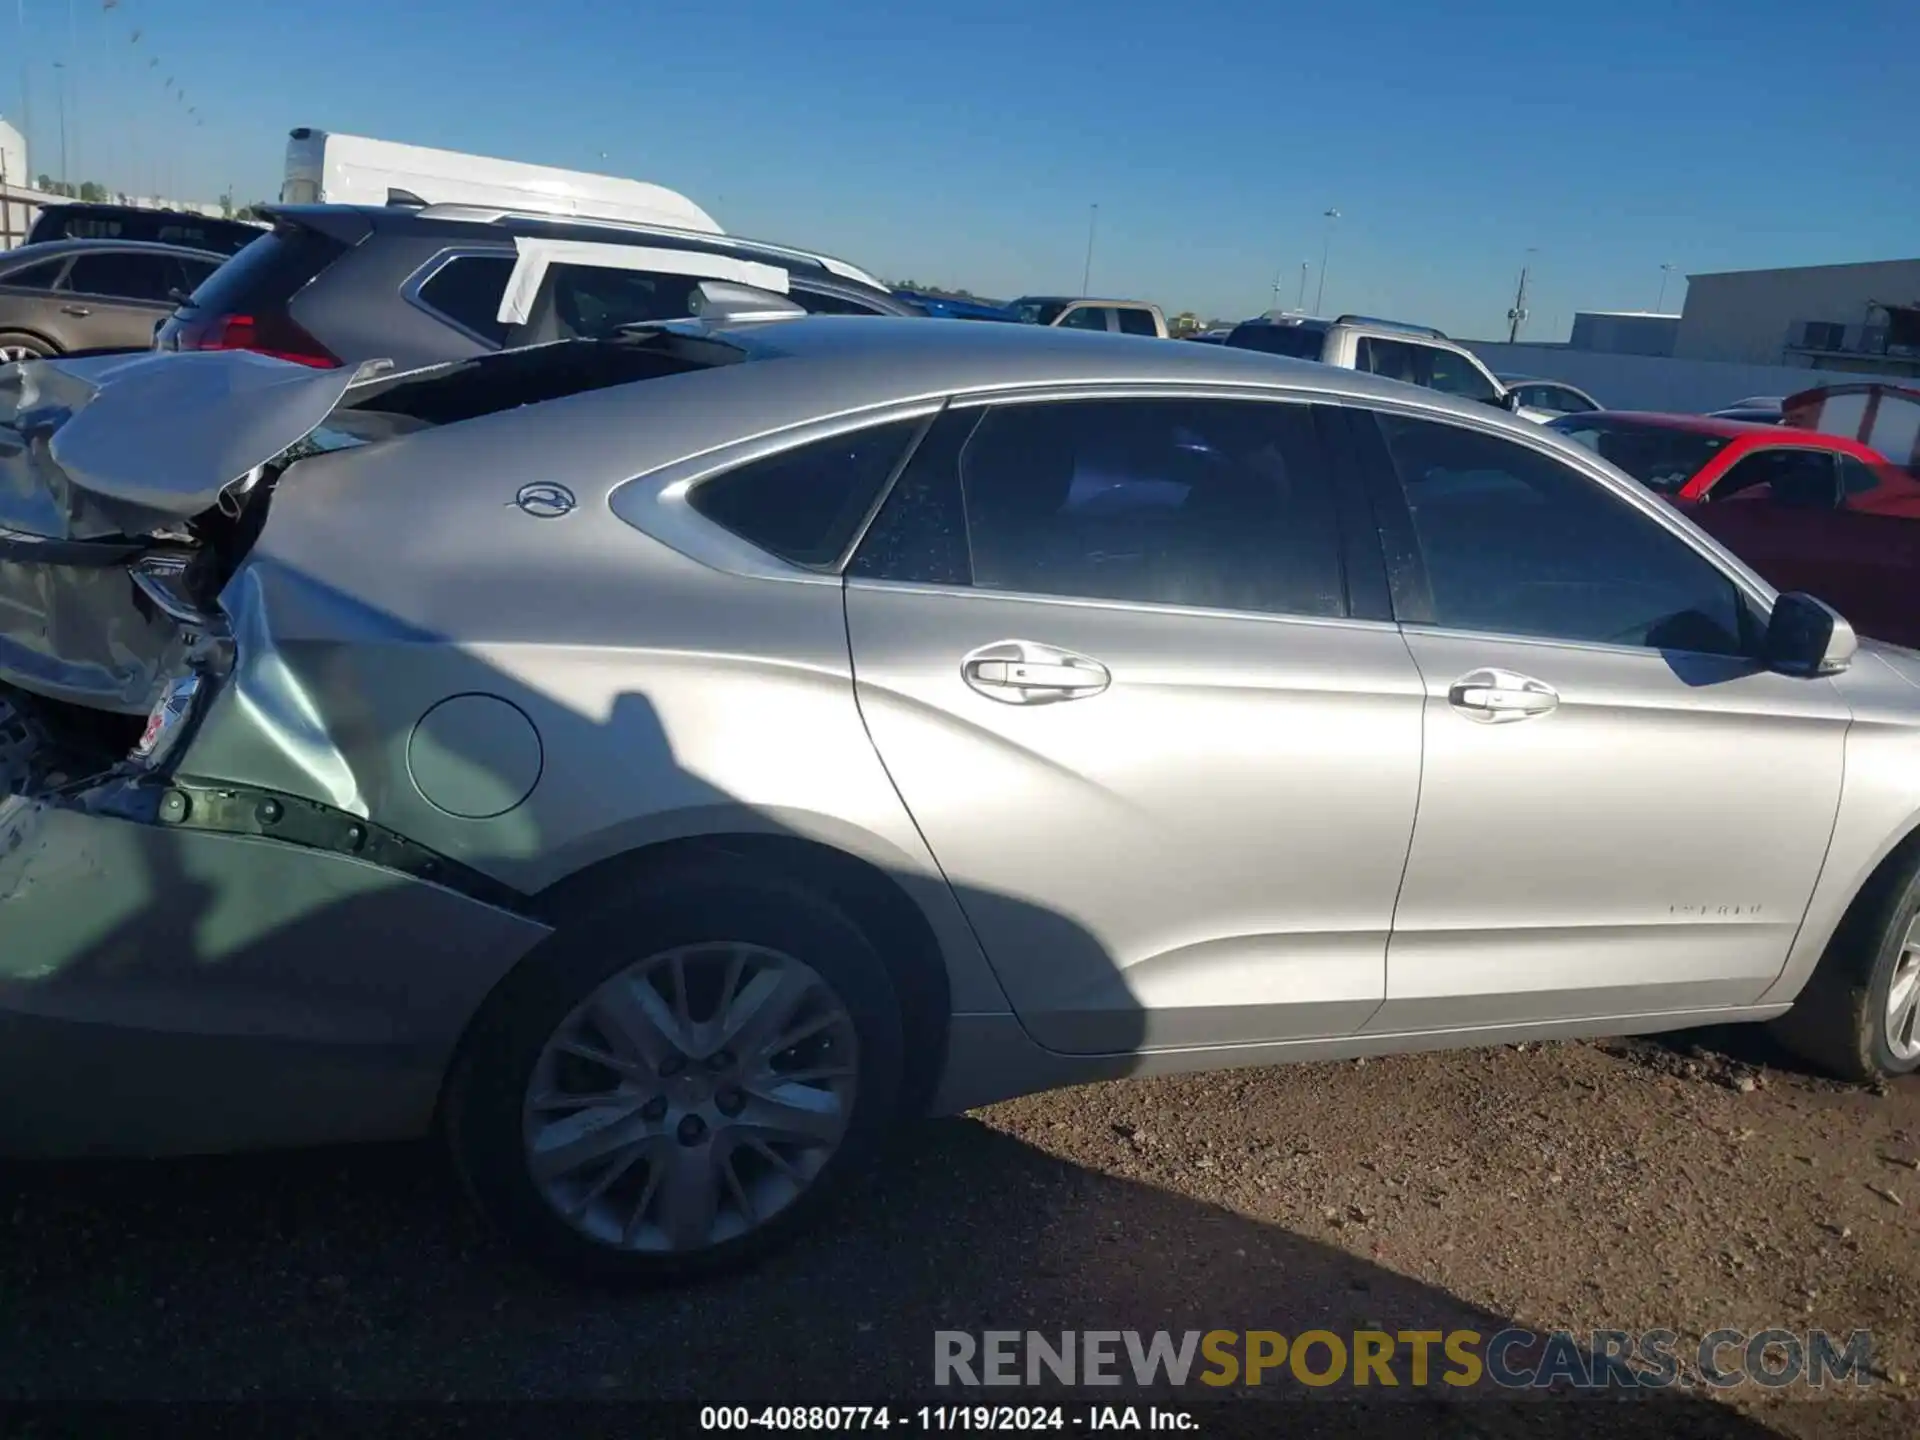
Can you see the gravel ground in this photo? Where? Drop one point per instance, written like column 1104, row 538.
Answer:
column 1587, row 1186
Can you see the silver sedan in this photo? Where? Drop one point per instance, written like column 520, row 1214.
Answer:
column 664, row 763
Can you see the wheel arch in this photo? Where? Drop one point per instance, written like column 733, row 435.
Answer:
column 879, row 903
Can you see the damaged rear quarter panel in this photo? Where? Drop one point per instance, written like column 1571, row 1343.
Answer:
column 670, row 699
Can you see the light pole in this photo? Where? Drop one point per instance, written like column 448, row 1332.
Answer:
column 1326, row 248
column 60, row 100
column 1666, row 271
column 1517, row 316
column 1301, row 303
column 1086, row 273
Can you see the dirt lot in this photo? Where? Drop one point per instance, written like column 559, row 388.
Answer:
column 1603, row 1186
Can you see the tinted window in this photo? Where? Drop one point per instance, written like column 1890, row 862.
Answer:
column 1800, row 479
column 806, row 504
column 1207, row 503
column 1516, row 543
column 1661, row 458
column 124, row 274
column 193, row 274
column 832, row 304
column 265, row 275
column 593, row 300
column 34, row 277
column 1857, row 477
column 1300, row 342
column 109, row 222
column 1555, row 399
column 920, row 534
column 1087, row 317
column 1137, row 322
column 1452, row 373
column 467, row 290
column 1037, row 312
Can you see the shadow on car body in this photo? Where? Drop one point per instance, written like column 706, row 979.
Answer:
column 352, row 1272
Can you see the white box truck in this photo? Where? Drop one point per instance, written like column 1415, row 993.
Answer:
column 324, row 168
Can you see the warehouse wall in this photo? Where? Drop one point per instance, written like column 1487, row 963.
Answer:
column 1651, row 382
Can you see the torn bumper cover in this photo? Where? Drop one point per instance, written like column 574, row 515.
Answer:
column 172, row 989
column 118, row 475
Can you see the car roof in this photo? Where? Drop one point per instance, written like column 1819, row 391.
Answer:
column 1739, row 430
column 52, row 249
column 464, row 220
column 876, row 360
column 1075, row 300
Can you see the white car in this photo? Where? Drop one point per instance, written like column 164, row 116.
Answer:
column 1543, row 400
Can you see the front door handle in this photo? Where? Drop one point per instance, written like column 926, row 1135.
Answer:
column 1021, row 672
column 79, row 310
column 1495, row 697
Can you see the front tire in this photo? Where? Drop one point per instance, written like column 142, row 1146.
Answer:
column 675, row 1084
column 1859, row 1016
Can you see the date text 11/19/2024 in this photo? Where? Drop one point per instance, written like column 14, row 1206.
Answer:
column 939, row 1419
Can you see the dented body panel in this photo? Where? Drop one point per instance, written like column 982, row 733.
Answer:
column 170, row 990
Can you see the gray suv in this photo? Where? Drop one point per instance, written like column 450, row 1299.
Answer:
column 419, row 285
column 63, row 296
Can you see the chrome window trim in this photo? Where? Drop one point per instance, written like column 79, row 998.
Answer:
column 410, row 287
column 657, row 503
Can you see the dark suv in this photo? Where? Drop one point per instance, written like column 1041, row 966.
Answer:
column 88, row 221
column 422, row 285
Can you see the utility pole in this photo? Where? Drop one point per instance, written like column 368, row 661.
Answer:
column 1326, row 248
column 1517, row 316
column 60, row 99
column 1659, row 305
column 1086, row 274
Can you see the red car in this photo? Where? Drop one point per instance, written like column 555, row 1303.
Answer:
column 1808, row 511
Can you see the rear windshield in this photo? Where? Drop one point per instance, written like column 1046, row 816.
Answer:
column 1300, row 342
column 265, row 275
column 1661, row 458
column 224, row 237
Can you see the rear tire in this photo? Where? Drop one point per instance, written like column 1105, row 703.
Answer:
column 1859, row 1016
column 691, row 1159
column 17, row 346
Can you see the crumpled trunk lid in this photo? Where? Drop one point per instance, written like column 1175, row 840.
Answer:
column 113, row 470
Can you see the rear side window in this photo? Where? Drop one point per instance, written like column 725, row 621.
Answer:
column 1298, row 342
column 596, row 300
column 1087, row 317
column 1216, row 504
column 269, row 272
column 467, row 291
column 1136, row 322
column 125, row 275
column 805, row 505
column 832, row 304
column 34, row 277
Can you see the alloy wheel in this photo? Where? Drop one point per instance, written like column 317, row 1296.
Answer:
column 11, row 353
column 1903, row 997
column 690, row 1098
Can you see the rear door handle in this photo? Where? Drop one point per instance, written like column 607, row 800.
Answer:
column 79, row 310
column 1495, row 697
column 1021, row 672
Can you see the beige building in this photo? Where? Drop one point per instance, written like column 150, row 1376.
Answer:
column 1863, row 318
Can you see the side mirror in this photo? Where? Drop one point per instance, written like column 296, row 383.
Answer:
column 1508, row 400
column 1808, row 637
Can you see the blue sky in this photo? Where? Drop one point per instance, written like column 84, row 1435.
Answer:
column 964, row 144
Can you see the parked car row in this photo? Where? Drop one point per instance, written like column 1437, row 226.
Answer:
column 542, row 682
